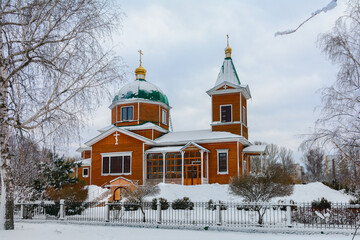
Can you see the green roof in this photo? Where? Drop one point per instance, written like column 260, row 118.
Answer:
column 141, row 89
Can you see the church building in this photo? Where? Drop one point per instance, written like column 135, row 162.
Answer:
column 138, row 145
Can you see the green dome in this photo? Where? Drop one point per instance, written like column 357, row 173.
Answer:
column 141, row 89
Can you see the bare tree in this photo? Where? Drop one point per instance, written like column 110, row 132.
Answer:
column 287, row 160
column 328, row 7
column 26, row 167
column 272, row 156
column 138, row 194
column 262, row 187
column 314, row 163
column 53, row 67
column 339, row 124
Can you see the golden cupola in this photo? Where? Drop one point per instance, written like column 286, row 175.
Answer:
column 227, row 49
column 140, row 72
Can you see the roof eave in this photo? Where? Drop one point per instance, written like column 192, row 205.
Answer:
column 240, row 139
column 135, row 100
column 124, row 131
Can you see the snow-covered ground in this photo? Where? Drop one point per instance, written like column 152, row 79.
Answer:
column 302, row 193
column 53, row 231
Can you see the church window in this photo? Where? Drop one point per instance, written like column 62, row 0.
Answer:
column 244, row 116
column 85, row 172
column 119, row 163
column 225, row 113
column 155, row 165
column 222, row 161
column 127, row 113
column 164, row 117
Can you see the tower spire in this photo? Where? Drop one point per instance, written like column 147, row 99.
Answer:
column 228, row 48
column 140, row 72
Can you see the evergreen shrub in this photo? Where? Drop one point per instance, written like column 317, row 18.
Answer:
column 182, row 204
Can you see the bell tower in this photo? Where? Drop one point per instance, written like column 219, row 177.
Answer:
column 229, row 99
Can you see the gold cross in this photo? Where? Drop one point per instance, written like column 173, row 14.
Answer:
column 140, row 55
column 227, row 36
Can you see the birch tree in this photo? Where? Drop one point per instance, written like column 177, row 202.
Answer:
column 339, row 123
column 53, row 68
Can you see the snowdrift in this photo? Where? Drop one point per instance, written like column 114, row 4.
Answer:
column 302, row 193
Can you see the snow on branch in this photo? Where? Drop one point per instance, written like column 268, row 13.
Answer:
column 328, row 7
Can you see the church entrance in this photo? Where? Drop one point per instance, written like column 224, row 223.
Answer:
column 192, row 174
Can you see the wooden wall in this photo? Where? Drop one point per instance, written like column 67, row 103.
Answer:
column 86, row 154
column 125, row 144
column 232, row 99
column 148, row 112
column 214, row 177
column 225, row 99
column 80, row 174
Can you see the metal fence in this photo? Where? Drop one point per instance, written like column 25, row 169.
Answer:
column 229, row 214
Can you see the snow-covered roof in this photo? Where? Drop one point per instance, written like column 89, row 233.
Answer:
column 228, row 73
column 147, row 125
column 244, row 89
column 164, row 149
column 255, row 149
column 84, row 162
column 195, row 145
column 121, row 130
column 198, row 136
column 128, row 180
column 141, row 89
column 83, row 148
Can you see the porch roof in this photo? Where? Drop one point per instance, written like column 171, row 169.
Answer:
column 164, row 149
column 255, row 149
column 84, row 162
column 199, row 136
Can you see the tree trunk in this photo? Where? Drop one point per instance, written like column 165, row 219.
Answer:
column 7, row 186
column 260, row 219
column 143, row 212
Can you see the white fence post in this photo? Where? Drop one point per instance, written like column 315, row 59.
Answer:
column 288, row 214
column 218, row 213
column 62, row 209
column 158, row 212
column 22, row 212
column 107, row 211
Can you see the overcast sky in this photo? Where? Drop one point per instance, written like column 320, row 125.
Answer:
column 183, row 44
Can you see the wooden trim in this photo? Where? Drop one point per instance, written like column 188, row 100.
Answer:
column 227, row 160
column 83, row 175
column 237, row 158
column 182, row 167
column 115, row 154
column 202, row 166
column 127, row 120
column 241, row 115
column 231, row 112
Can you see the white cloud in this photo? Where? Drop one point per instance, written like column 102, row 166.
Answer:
column 183, row 43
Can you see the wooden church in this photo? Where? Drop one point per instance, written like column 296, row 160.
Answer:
column 139, row 147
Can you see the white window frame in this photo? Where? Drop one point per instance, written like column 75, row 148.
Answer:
column 218, row 151
column 85, row 176
column 231, row 113
column 121, row 112
column 164, row 117
column 115, row 154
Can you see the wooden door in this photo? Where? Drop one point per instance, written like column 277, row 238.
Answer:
column 192, row 174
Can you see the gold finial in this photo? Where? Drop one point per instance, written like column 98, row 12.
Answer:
column 228, row 48
column 139, row 51
column 140, row 72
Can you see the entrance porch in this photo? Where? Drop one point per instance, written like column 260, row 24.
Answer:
column 186, row 165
